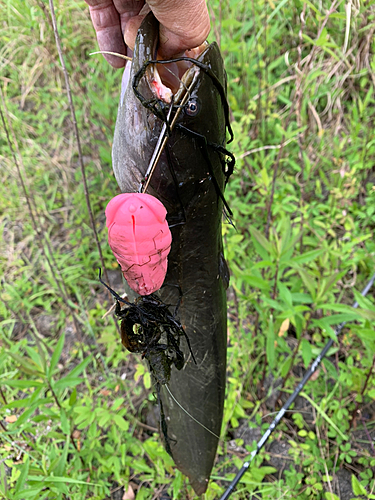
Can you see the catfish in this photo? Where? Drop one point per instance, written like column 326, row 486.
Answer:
column 189, row 180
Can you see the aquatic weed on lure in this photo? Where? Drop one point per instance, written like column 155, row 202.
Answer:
column 148, row 327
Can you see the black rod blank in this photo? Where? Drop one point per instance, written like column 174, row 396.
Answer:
column 290, row 400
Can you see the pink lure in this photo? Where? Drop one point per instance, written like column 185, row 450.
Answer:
column 140, row 239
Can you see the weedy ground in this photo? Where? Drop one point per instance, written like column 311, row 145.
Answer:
column 75, row 407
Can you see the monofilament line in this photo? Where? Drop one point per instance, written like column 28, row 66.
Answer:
column 121, row 56
column 289, row 402
column 191, row 416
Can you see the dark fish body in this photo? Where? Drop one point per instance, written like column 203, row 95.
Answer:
column 183, row 184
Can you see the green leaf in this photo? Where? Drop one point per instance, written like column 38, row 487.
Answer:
column 258, row 473
column 335, row 319
column 140, row 466
column 140, row 370
column 36, row 357
column 84, row 417
column 117, row 403
column 33, row 401
column 285, row 294
column 3, row 480
column 308, row 281
column 328, row 283
column 81, row 367
column 61, row 464
column 313, row 7
column 147, row 380
column 289, row 245
column 358, row 489
column 258, row 236
column 27, row 365
column 257, row 282
column 285, row 242
column 275, row 305
column 344, row 308
column 286, row 366
column 261, row 264
column 65, row 425
column 104, row 418
column 67, row 381
column 25, row 416
column 29, row 492
column 363, row 302
column 36, row 396
column 22, row 384
column 325, row 326
column 56, row 354
column 73, row 397
column 121, row 423
column 366, row 314
column 301, row 298
column 177, row 484
column 307, row 353
column 306, row 257
column 323, row 38
column 56, row 479
column 261, row 251
column 235, row 238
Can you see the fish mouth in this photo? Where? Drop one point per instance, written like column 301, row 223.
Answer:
column 171, row 81
column 167, row 86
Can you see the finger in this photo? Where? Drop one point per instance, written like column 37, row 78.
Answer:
column 109, row 19
column 127, row 10
column 132, row 26
column 184, row 25
column 106, row 21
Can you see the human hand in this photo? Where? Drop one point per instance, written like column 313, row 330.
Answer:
column 184, row 24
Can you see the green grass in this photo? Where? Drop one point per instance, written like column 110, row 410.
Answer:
column 301, row 90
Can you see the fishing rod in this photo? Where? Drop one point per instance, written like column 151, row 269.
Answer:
column 291, row 400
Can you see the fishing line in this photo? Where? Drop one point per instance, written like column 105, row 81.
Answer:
column 127, row 58
column 189, row 415
column 291, row 400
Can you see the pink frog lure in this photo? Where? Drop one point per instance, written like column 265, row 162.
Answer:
column 140, row 239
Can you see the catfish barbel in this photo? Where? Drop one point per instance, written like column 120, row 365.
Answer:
column 189, row 179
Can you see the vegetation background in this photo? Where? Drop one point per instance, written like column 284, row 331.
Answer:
column 76, row 416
